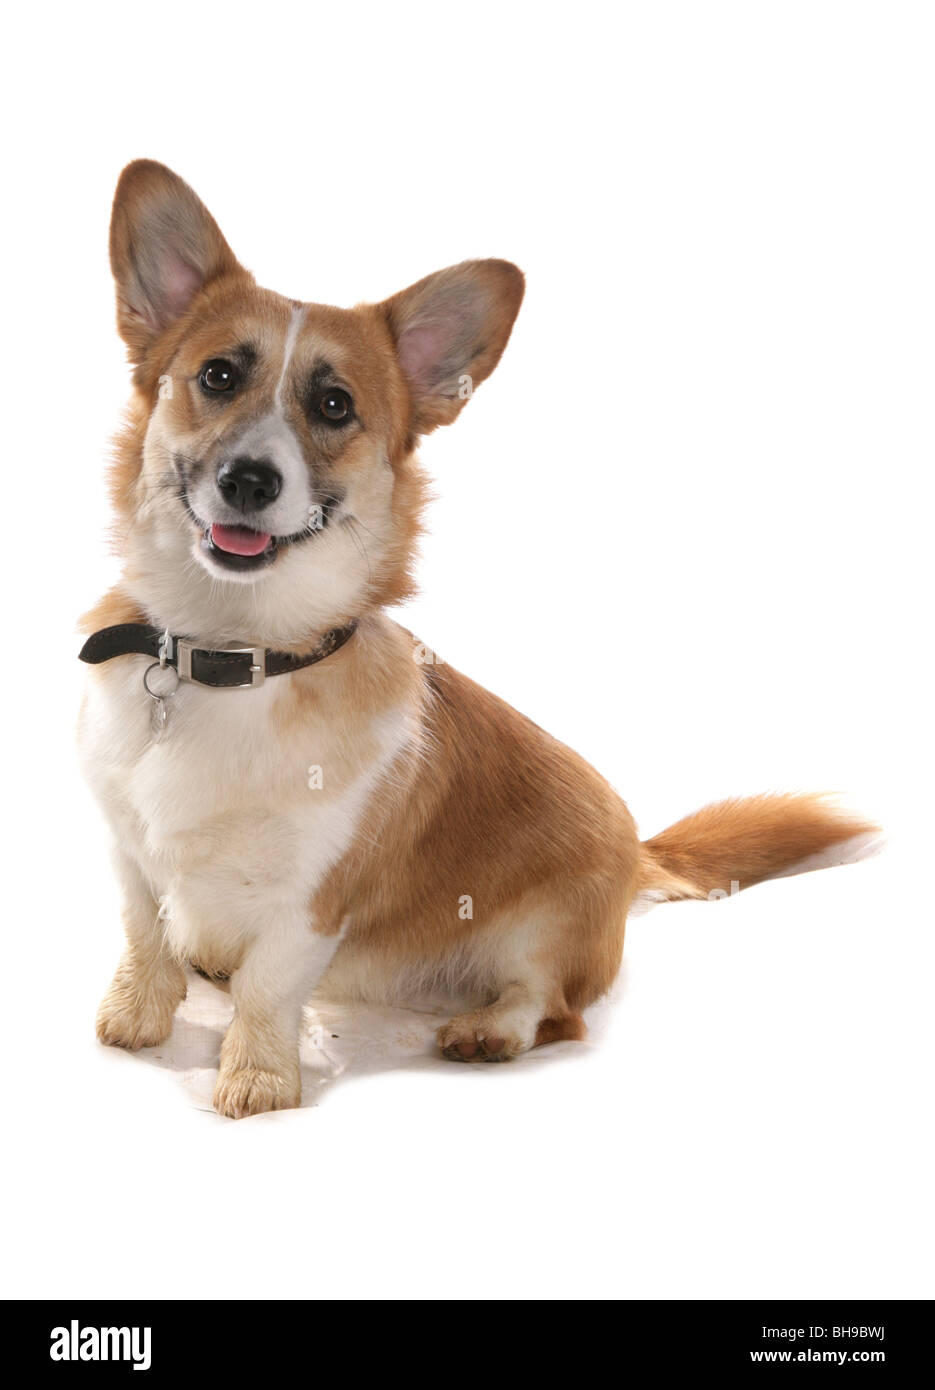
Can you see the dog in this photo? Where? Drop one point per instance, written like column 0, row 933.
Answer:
column 299, row 794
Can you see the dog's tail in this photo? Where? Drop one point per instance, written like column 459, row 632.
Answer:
column 734, row 844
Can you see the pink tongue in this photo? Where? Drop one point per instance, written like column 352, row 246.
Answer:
column 239, row 540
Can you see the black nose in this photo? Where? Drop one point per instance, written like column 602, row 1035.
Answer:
column 249, row 484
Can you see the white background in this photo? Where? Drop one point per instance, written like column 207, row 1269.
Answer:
column 686, row 527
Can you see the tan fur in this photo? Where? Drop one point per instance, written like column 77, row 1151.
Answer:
column 504, row 814
column 454, row 848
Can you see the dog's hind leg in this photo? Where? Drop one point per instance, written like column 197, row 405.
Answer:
column 540, row 971
column 522, row 1016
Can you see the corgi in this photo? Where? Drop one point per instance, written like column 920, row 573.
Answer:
column 300, row 797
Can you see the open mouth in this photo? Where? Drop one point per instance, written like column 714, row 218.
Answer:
column 239, row 547
column 244, row 548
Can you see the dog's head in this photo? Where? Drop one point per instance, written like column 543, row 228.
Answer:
column 267, row 483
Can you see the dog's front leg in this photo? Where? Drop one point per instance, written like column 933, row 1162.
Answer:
column 149, row 985
column 260, row 1054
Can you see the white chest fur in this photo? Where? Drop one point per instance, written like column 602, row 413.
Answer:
column 238, row 811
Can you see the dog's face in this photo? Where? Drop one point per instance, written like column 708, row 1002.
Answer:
column 269, row 485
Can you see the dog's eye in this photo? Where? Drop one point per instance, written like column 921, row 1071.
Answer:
column 218, row 375
column 336, row 406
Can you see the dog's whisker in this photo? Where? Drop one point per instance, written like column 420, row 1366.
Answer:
column 352, row 528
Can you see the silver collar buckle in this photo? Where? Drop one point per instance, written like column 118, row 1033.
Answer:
column 182, row 652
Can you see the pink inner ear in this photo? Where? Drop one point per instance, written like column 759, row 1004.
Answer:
column 422, row 351
column 179, row 283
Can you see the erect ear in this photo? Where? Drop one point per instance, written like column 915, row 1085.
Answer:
column 164, row 247
column 450, row 330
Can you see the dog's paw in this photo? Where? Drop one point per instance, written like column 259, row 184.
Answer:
column 126, row 1020
column 472, row 1038
column 249, row 1091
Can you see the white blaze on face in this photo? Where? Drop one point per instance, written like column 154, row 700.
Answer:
column 292, row 337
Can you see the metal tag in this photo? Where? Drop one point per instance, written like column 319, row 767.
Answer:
column 160, row 698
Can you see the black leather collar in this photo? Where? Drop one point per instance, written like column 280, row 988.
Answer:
column 229, row 668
